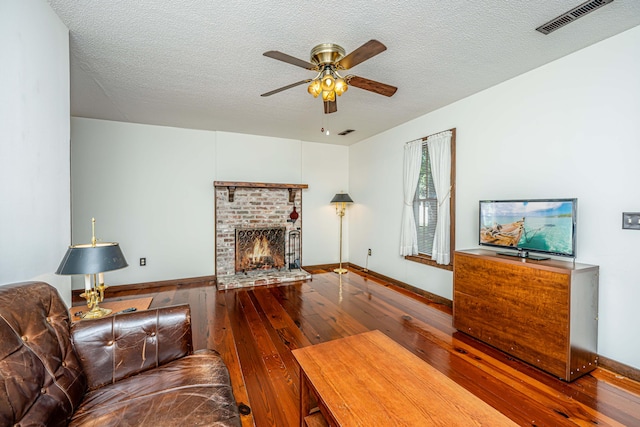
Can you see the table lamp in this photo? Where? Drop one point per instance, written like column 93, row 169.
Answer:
column 93, row 260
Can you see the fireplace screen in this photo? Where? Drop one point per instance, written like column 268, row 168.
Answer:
column 260, row 249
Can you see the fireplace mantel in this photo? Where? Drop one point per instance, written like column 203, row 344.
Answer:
column 232, row 185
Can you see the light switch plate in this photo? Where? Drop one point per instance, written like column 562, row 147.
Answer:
column 631, row 220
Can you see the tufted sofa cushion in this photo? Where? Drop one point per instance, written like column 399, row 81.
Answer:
column 117, row 347
column 40, row 375
column 203, row 397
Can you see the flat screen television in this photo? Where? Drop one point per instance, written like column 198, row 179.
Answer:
column 545, row 226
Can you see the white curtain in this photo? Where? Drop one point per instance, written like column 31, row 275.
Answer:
column 411, row 173
column 439, row 147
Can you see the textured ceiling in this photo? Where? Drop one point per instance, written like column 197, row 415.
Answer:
column 198, row 63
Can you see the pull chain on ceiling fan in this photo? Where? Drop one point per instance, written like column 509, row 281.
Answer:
column 326, row 60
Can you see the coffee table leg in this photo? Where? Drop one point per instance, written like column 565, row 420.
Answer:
column 304, row 398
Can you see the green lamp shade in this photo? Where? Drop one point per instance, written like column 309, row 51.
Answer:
column 341, row 198
column 89, row 259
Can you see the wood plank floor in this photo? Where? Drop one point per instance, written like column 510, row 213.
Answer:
column 256, row 329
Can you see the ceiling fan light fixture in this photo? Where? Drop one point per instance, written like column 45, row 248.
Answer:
column 315, row 88
column 328, row 82
column 328, row 95
column 340, row 86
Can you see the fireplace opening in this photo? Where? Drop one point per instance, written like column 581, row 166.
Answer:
column 260, row 249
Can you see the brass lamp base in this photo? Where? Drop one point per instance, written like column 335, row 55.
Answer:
column 94, row 296
column 340, row 270
column 96, row 313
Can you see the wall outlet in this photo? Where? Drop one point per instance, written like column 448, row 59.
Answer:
column 143, row 262
column 369, row 252
column 631, row 220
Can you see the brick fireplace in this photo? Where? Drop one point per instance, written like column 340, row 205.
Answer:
column 257, row 242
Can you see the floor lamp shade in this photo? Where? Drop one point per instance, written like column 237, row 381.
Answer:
column 341, row 198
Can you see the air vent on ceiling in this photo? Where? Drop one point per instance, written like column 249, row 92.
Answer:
column 572, row 15
column 346, row 132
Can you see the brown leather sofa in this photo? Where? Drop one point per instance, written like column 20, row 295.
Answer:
column 135, row 369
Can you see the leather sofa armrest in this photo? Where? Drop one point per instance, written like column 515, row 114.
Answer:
column 117, row 347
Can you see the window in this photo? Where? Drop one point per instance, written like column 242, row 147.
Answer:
column 425, row 209
column 425, row 205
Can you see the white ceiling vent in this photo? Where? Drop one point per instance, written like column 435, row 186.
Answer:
column 346, row 132
column 572, row 15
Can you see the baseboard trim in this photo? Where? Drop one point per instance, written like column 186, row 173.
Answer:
column 321, row 268
column 192, row 281
column 619, row 368
column 421, row 292
column 437, row 299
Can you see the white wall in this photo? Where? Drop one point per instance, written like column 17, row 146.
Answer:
column 35, row 226
column 325, row 169
column 567, row 129
column 150, row 188
column 252, row 158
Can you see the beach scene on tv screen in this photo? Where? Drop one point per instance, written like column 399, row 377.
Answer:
column 531, row 225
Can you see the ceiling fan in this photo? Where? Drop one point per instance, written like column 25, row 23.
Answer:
column 327, row 59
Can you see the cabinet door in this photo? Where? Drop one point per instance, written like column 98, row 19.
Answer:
column 517, row 308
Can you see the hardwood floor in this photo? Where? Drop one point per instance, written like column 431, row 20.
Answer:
column 256, row 329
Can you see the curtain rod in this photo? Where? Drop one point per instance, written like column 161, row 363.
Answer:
column 427, row 137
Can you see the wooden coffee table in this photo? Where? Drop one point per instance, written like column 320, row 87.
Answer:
column 370, row 380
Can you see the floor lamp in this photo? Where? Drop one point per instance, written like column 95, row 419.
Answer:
column 341, row 200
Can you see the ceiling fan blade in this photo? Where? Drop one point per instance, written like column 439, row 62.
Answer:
column 361, row 54
column 289, row 59
column 330, row 107
column 371, row 85
column 301, row 82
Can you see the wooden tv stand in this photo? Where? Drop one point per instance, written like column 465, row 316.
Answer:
column 542, row 312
